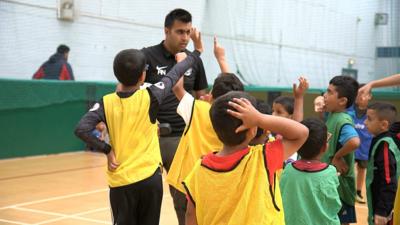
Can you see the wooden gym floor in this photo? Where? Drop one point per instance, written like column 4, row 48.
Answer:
column 66, row 189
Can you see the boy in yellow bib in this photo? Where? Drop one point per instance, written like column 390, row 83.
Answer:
column 199, row 137
column 133, row 154
column 237, row 185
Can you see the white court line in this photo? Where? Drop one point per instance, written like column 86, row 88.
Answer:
column 73, row 217
column 60, row 214
column 54, row 198
column 13, row 222
column 92, row 211
column 65, row 216
column 38, row 211
column 77, row 216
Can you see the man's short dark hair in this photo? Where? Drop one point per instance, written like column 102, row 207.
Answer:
column 316, row 138
column 346, row 87
column 129, row 65
column 62, row 49
column 224, row 124
column 224, row 83
column 286, row 102
column 177, row 14
column 384, row 111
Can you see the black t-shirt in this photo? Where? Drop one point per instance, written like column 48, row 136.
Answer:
column 160, row 61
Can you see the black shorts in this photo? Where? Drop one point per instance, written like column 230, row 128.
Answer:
column 138, row 203
column 362, row 163
column 347, row 213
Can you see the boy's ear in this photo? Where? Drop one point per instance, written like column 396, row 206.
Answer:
column 385, row 125
column 343, row 101
column 142, row 77
column 166, row 30
column 251, row 133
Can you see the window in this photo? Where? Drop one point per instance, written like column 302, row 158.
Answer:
column 388, row 52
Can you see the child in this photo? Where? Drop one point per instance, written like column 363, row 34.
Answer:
column 291, row 108
column 237, row 184
column 133, row 154
column 311, row 184
column 358, row 112
column 283, row 106
column 340, row 95
column 199, row 137
column 383, row 166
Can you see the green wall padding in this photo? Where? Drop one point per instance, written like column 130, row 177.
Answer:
column 38, row 117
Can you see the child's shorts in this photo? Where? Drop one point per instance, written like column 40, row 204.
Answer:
column 362, row 163
column 347, row 213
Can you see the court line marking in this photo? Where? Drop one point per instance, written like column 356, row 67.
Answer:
column 78, row 217
column 13, row 222
column 52, row 172
column 60, row 216
column 55, row 198
column 38, row 211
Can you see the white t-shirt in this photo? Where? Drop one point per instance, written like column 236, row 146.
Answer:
column 185, row 107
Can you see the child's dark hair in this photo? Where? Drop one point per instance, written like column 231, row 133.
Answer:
column 224, row 83
column 316, row 138
column 224, row 124
column 62, row 49
column 286, row 102
column 346, row 87
column 177, row 14
column 384, row 111
column 264, row 108
column 129, row 65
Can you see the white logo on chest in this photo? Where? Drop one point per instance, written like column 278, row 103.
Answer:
column 161, row 70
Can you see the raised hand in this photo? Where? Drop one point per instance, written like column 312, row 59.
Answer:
column 301, row 90
column 195, row 35
column 219, row 51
